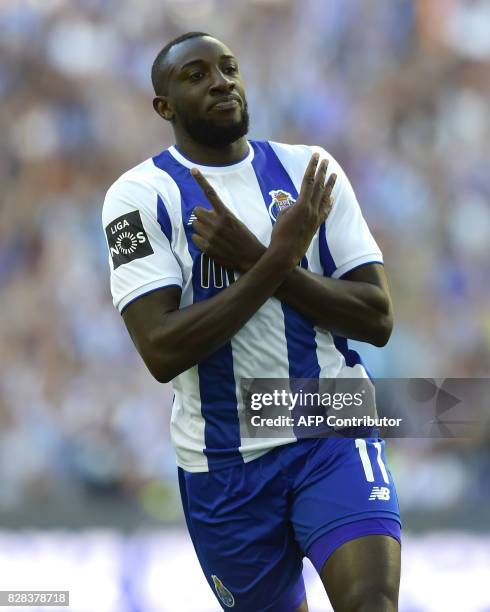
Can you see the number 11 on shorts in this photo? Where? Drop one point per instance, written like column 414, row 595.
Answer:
column 361, row 446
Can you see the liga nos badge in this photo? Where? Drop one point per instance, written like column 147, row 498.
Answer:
column 280, row 201
column 223, row 593
column 127, row 239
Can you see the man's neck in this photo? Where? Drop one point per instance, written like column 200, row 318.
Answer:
column 208, row 156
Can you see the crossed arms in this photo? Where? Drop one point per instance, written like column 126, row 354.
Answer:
column 358, row 306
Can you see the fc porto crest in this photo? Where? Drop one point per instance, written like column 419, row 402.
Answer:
column 280, row 201
column 223, row 593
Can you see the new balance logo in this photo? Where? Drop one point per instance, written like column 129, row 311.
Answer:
column 382, row 493
column 192, row 218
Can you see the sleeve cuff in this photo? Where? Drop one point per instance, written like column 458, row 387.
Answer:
column 161, row 283
column 357, row 262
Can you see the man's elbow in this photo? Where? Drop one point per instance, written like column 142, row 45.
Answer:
column 162, row 376
column 162, row 363
column 383, row 329
column 162, row 372
column 161, row 369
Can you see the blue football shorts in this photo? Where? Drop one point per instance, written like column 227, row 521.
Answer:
column 252, row 524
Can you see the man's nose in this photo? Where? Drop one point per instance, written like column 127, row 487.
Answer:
column 220, row 82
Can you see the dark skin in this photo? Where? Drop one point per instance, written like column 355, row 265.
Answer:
column 199, row 74
column 363, row 575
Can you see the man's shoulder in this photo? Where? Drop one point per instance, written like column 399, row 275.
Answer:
column 143, row 174
column 300, row 152
column 141, row 183
column 295, row 158
column 296, row 149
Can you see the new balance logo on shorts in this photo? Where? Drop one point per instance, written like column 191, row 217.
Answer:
column 382, row 493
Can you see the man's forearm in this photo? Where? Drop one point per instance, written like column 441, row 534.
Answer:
column 349, row 308
column 189, row 335
column 352, row 309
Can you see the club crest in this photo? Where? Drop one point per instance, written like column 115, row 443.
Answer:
column 280, row 201
column 223, row 593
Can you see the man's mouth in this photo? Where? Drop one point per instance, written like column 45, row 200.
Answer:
column 225, row 104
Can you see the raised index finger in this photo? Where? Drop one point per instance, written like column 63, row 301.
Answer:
column 209, row 192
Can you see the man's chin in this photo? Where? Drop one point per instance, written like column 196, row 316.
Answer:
column 224, row 136
column 217, row 133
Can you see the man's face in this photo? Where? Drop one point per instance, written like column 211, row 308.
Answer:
column 205, row 92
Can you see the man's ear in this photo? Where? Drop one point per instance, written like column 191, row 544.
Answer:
column 161, row 106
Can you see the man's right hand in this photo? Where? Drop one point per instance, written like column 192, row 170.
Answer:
column 296, row 226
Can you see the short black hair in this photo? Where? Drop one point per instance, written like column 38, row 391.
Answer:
column 156, row 70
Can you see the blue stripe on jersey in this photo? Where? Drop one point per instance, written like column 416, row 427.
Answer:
column 300, row 333
column 216, row 376
column 351, row 357
column 164, row 219
column 326, row 258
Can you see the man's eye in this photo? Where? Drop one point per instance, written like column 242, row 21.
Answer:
column 231, row 69
column 195, row 76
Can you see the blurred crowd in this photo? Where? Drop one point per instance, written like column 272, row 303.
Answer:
column 397, row 90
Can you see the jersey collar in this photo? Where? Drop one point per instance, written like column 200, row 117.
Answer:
column 188, row 163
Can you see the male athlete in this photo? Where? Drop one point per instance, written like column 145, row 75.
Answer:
column 235, row 259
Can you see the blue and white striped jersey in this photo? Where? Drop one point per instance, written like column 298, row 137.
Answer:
column 147, row 216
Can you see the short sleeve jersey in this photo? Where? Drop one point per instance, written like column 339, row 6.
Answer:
column 147, row 218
